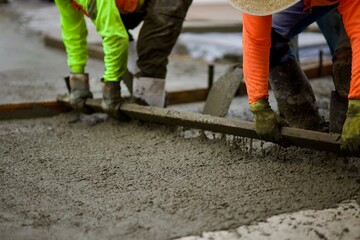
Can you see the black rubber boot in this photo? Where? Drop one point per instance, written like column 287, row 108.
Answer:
column 338, row 109
column 341, row 71
column 128, row 80
column 295, row 97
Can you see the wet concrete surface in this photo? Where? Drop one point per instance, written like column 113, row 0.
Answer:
column 140, row 181
column 116, row 180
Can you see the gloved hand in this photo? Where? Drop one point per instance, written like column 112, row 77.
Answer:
column 267, row 122
column 351, row 131
column 79, row 91
column 112, row 99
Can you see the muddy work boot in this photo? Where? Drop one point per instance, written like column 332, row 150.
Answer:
column 111, row 99
column 338, row 109
column 341, row 71
column 150, row 91
column 128, row 79
column 295, row 97
column 79, row 91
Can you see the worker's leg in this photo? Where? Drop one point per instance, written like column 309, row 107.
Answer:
column 330, row 25
column 341, row 72
column 294, row 95
column 289, row 23
column 342, row 64
column 162, row 25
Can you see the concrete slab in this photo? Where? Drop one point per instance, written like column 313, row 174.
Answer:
column 138, row 181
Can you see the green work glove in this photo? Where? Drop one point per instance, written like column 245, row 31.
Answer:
column 351, row 131
column 267, row 122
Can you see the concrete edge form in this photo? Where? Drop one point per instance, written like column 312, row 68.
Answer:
column 31, row 110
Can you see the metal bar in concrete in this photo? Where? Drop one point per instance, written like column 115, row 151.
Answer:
column 297, row 137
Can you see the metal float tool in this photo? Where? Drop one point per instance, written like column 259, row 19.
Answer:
column 329, row 142
column 297, row 137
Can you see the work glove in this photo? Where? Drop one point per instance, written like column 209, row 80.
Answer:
column 79, row 91
column 351, row 131
column 267, row 122
column 111, row 99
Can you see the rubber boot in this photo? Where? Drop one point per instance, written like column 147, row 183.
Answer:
column 128, row 79
column 111, row 99
column 338, row 109
column 295, row 97
column 341, row 71
column 79, row 91
column 150, row 91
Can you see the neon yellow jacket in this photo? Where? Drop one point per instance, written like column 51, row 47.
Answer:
column 106, row 17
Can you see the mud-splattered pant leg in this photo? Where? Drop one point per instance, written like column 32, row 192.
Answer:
column 162, row 25
column 342, row 61
column 330, row 25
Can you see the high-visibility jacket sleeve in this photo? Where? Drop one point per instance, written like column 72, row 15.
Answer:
column 256, row 54
column 74, row 33
column 350, row 11
column 106, row 17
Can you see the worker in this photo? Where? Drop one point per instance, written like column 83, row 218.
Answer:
column 162, row 25
column 106, row 17
column 257, row 31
